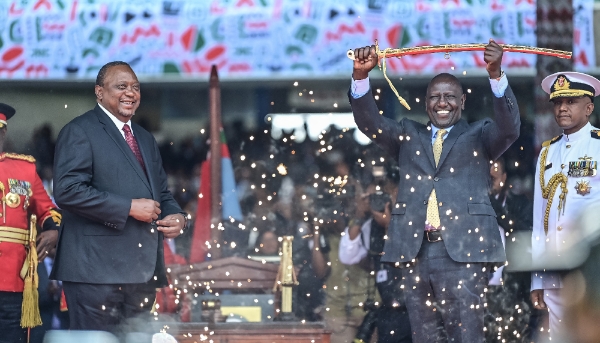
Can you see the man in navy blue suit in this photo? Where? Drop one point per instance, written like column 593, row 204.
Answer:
column 110, row 183
column 443, row 229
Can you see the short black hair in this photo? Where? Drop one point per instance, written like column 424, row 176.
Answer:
column 445, row 77
column 104, row 69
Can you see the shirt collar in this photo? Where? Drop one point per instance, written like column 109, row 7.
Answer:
column 579, row 134
column 434, row 129
column 116, row 120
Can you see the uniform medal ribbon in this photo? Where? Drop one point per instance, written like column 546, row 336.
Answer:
column 16, row 189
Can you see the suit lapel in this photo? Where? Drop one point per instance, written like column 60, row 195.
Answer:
column 145, row 145
column 425, row 136
column 460, row 127
column 116, row 136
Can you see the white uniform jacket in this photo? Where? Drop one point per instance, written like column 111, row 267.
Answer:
column 573, row 156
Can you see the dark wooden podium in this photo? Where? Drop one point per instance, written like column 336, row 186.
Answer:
column 231, row 273
column 244, row 275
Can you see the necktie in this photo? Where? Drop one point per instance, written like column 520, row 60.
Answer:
column 433, row 213
column 133, row 145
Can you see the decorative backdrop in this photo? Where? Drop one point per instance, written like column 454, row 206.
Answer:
column 57, row 39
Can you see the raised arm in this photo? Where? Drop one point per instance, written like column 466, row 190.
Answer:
column 383, row 131
column 504, row 131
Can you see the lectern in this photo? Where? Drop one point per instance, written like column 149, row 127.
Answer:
column 234, row 276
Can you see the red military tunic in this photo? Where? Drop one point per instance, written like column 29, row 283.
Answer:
column 23, row 194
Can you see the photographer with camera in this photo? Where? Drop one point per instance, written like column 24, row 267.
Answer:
column 310, row 251
column 363, row 240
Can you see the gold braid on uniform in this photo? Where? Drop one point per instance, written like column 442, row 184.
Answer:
column 21, row 157
column 56, row 216
column 548, row 191
column 30, row 308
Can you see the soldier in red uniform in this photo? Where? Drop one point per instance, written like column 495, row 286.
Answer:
column 22, row 195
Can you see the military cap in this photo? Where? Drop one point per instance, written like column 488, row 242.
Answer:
column 6, row 112
column 570, row 84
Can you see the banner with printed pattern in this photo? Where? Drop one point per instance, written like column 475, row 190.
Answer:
column 252, row 39
column 584, row 53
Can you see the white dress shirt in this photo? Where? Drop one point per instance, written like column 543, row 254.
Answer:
column 352, row 251
column 119, row 124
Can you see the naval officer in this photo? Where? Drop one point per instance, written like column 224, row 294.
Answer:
column 566, row 181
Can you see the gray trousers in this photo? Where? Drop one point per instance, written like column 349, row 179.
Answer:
column 445, row 299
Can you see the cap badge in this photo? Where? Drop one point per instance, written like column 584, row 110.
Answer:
column 562, row 83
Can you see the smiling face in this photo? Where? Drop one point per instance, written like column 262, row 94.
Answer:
column 571, row 114
column 120, row 92
column 445, row 101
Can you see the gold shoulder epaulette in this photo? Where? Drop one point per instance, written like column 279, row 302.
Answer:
column 551, row 141
column 21, row 157
column 595, row 134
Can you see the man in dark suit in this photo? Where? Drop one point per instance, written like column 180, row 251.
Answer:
column 109, row 180
column 443, row 229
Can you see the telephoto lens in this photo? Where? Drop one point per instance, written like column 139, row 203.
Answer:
column 366, row 328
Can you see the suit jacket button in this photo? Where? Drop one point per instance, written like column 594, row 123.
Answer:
column 424, row 202
column 436, row 179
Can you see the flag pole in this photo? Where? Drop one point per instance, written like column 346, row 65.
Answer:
column 214, row 100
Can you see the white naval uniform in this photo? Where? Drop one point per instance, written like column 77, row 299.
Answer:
column 561, row 227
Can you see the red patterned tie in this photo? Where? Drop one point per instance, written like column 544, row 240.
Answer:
column 133, row 145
